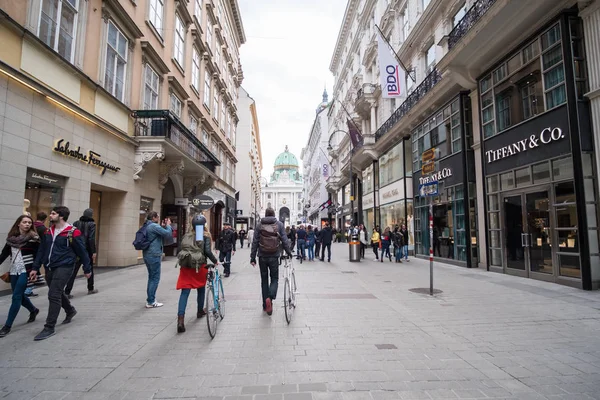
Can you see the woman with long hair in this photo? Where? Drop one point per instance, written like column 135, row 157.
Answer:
column 310, row 243
column 22, row 245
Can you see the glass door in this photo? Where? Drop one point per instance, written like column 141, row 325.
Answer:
column 515, row 240
column 539, row 232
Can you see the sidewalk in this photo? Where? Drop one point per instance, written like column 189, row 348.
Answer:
column 358, row 333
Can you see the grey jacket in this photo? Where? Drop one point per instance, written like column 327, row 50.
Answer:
column 282, row 237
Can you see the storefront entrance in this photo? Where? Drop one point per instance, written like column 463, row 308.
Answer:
column 528, row 234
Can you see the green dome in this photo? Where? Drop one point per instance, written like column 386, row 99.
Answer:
column 286, row 160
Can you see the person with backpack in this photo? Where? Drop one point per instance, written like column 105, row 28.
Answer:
column 87, row 226
column 192, row 275
column 58, row 251
column 226, row 246
column 149, row 239
column 266, row 244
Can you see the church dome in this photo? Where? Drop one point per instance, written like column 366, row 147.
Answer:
column 286, row 161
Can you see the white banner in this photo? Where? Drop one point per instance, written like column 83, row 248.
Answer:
column 391, row 74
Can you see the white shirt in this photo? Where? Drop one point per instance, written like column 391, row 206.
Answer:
column 17, row 267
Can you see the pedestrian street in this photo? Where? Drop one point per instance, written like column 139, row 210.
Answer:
column 358, row 333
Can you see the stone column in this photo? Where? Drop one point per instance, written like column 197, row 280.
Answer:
column 480, row 183
column 373, row 119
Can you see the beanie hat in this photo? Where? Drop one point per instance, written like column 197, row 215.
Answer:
column 88, row 213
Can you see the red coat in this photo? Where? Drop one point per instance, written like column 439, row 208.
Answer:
column 190, row 279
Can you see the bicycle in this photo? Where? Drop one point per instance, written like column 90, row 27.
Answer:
column 289, row 289
column 215, row 300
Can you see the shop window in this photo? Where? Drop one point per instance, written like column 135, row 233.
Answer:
column 541, row 173
column 43, row 190
column 492, row 184
column 523, row 177
column 367, row 180
column 507, row 180
column 146, row 205
column 562, row 169
column 391, row 165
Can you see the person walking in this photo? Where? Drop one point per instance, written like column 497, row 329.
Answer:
column 310, row 243
column 250, row 236
column 22, row 245
column 326, row 238
column 376, row 242
column 362, row 238
column 301, row 237
column 292, row 237
column 87, row 226
column 226, row 246
column 242, row 237
column 155, row 233
column 266, row 244
column 386, row 242
column 192, row 275
column 404, row 233
column 318, row 242
column 59, row 250
column 398, row 241
column 40, row 227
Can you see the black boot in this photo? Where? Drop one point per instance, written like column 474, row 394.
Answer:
column 33, row 314
column 4, row 331
column 180, row 323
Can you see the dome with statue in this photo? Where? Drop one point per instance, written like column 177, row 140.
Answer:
column 286, row 168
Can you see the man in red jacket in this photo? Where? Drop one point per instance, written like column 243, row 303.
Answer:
column 58, row 253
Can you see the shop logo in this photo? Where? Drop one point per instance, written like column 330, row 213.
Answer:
column 547, row 136
column 44, row 178
column 438, row 176
column 91, row 158
column 390, row 193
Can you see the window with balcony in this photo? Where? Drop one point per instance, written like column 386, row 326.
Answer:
column 151, row 85
column 207, row 79
column 179, row 42
column 205, row 138
column 193, row 124
column 196, row 69
column 156, row 14
column 58, row 25
column 459, row 14
column 430, row 58
column 116, row 62
column 175, row 105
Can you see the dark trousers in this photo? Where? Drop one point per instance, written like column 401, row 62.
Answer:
column 269, row 266
column 241, row 243
column 317, row 249
column 328, row 247
column 225, row 256
column 90, row 281
column 57, row 279
column 375, row 247
column 362, row 250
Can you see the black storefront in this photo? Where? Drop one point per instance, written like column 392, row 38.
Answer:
column 538, row 159
column 448, row 131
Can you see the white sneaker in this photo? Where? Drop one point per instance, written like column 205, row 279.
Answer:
column 156, row 304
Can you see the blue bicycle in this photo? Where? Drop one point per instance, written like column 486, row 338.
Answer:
column 215, row 300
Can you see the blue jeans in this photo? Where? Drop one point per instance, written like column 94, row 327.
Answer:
column 183, row 299
column 301, row 248
column 225, row 256
column 404, row 252
column 153, row 266
column 18, row 284
column 311, row 251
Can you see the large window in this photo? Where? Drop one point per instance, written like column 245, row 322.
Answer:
column 430, row 58
column 196, row 69
column 531, row 82
column 58, row 24
column 175, row 105
column 391, row 166
column 116, row 62
column 156, row 14
column 209, row 33
column 198, row 10
column 193, row 124
column 179, row 45
column 367, row 180
column 459, row 15
column 151, row 82
column 216, row 103
column 405, row 24
column 207, row 89
column 442, row 131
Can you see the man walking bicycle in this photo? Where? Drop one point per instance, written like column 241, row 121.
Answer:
column 268, row 236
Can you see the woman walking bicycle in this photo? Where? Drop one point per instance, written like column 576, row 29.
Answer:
column 22, row 246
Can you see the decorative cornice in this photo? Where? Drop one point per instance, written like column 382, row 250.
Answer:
column 168, row 170
column 142, row 158
column 343, row 33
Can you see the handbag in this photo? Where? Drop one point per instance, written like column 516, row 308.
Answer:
column 5, row 277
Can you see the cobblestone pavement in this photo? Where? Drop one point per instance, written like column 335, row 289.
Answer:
column 358, row 333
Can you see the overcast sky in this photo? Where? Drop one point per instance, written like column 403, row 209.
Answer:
column 286, row 66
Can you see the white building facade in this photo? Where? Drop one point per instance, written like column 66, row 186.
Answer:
column 476, row 90
column 283, row 191
column 249, row 166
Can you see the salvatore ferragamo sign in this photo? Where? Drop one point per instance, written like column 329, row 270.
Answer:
column 546, row 136
column 91, row 157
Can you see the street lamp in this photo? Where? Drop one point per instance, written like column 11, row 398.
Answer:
column 350, row 174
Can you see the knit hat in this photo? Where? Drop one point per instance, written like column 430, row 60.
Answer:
column 88, row 213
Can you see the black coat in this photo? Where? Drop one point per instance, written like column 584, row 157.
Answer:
column 226, row 241
column 326, row 235
column 87, row 226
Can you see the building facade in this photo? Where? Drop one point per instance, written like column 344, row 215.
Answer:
column 113, row 105
column 501, row 122
column 283, row 191
column 249, row 166
column 315, row 163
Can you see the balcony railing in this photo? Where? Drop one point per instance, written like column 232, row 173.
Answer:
column 163, row 123
column 468, row 21
column 428, row 83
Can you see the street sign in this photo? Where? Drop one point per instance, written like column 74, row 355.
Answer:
column 203, row 202
column 428, row 189
column 239, row 212
column 428, row 155
column 428, row 168
column 181, row 201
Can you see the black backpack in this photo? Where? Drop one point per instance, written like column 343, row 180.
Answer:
column 141, row 241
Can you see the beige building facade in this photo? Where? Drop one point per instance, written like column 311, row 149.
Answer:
column 121, row 106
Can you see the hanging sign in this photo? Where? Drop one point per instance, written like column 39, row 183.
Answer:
column 203, row 202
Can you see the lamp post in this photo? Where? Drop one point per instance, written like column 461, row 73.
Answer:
column 350, row 174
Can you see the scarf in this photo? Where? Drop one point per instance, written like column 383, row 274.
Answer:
column 21, row 240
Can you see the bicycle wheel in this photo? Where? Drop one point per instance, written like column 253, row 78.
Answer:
column 294, row 288
column 221, row 300
column 212, row 315
column 287, row 299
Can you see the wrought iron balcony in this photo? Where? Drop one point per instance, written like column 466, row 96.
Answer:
column 468, row 21
column 163, row 123
column 428, row 83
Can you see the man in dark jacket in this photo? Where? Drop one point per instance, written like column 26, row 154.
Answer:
column 269, row 260
column 242, row 237
column 87, row 226
column 326, row 237
column 226, row 246
column 58, row 252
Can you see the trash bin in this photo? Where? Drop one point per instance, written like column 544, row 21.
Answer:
column 354, row 248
